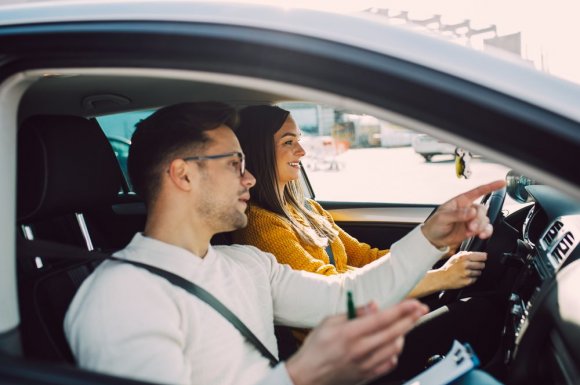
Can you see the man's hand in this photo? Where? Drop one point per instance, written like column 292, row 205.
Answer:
column 460, row 218
column 341, row 351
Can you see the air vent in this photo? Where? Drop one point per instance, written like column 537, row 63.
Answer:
column 563, row 247
column 552, row 232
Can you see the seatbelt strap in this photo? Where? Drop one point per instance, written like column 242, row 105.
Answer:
column 49, row 249
column 328, row 247
column 330, row 254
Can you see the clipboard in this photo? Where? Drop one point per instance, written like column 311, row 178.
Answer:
column 460, row 360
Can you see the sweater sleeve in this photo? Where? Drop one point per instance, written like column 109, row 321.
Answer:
column 359, row 253
column 268, row 232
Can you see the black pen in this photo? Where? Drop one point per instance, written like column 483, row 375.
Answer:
column 350, row 305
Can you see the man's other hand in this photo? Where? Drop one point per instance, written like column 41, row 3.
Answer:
column 342, row 351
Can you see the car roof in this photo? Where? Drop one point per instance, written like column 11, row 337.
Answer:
column 509, row 76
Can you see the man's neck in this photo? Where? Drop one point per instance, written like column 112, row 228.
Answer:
column 187, row 234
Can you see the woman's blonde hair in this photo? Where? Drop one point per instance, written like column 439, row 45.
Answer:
column 321, row 231
column 256, row 130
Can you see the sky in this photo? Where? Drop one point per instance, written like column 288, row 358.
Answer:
column 549, row 28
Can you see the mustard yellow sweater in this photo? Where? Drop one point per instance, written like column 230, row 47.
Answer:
column 271, row 233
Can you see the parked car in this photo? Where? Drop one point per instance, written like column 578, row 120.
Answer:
column 65, row 63
column 428, row 147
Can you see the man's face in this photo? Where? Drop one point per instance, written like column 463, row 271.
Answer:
column 223, row 193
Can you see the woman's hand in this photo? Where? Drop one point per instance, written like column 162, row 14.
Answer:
column 462, row 269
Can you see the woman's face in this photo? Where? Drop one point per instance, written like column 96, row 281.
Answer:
column 288, row 151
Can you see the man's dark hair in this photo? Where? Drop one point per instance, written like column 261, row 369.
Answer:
column 171, row 132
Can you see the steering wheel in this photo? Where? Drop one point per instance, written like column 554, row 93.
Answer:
column 494, row 203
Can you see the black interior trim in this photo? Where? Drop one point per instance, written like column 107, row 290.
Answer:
column 10, row 342
column 14, row 371
column 332, row 205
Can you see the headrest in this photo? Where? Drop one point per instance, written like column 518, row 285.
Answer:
column 65, row 165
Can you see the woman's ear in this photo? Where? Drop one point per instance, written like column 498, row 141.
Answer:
column 179, row 174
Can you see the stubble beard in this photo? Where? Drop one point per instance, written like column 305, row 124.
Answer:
column 221, row 217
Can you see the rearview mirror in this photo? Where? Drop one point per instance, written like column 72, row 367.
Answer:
column 516, row 186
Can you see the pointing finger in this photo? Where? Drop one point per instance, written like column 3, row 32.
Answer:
column 482, row 190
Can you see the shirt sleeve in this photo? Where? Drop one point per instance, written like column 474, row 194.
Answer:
column 386, row 281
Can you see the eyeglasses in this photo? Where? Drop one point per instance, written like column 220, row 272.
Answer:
column 240, row 155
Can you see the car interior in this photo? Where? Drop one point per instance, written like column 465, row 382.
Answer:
column 71, row 190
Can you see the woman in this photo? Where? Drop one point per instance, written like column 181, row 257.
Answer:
column 300, row 232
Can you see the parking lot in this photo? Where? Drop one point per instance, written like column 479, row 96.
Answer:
column 398, row 175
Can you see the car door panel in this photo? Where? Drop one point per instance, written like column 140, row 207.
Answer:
column 379, row 225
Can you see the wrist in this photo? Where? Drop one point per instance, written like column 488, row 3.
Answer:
column 298, row 375
column 438, row 278
column 444, row 248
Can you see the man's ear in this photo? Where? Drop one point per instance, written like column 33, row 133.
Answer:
column 179, row 174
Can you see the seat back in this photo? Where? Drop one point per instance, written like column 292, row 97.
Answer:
column 66, row 167
column 44, row 299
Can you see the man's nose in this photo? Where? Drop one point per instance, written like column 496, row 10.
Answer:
column 248, row 180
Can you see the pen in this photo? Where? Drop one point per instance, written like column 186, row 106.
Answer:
column 350, row 305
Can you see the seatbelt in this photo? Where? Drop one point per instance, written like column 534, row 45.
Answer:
column 49, row 249
column 330, row 254
column 328, row 247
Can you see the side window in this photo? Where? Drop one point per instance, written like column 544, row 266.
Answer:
column 359, row 158
column 119, row 128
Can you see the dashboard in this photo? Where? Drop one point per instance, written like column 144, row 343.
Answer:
column 553, row 228
column 543, row 322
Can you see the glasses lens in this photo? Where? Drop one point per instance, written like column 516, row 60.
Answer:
column 242, row 164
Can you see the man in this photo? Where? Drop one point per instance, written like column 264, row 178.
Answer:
column 186, row 163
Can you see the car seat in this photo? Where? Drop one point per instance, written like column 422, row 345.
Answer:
column 65, row 167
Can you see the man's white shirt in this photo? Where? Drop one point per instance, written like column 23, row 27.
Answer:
column 129, row 322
